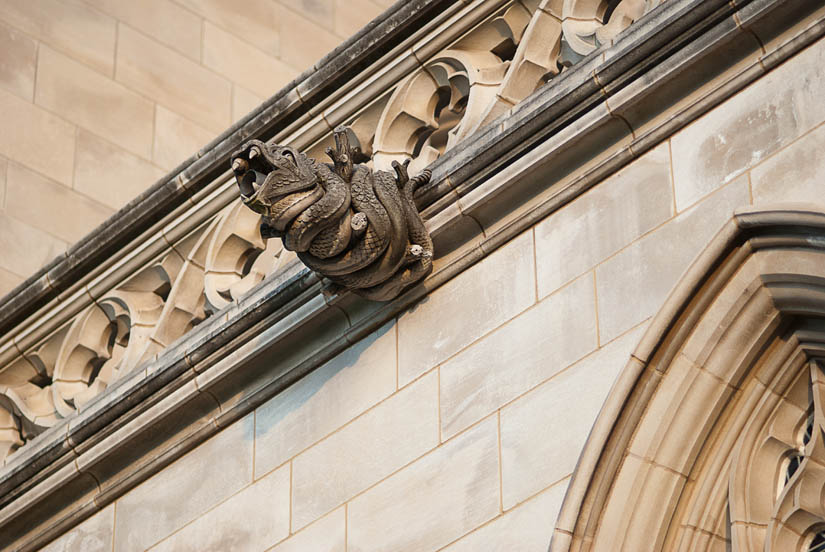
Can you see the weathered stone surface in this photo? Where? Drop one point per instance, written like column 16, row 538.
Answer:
column 50, row 206
column 163, row 20
column 176, row 138
column 433, row 501
column 797, row 173
column 518, row 356
column 526, row 528
column 543, row 432
column 596, row 225
column 328, row 534
column 26, row 248
column 195, row 92
column 93, row 535
column 325, row 399
column 243, row 63
column 474, row 303
column 253, row 519
column 80, row 95
column 649, row 268
column 186, row 489
column 749, row 127
column 35, row 131
column 385, row 438
column 18, row 62
column 72, row 27
column 109, row 174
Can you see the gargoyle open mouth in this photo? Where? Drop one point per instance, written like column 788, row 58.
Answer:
column 251, row 169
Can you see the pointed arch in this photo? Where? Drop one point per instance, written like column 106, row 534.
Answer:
column 712, row 437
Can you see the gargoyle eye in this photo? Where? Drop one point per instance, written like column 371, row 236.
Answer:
column 291, row 156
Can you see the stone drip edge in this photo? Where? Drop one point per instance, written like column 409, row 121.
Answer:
column 196, row 387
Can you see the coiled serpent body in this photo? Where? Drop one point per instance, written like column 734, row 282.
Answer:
column 358, row 227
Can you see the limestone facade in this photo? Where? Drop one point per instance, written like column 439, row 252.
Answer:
column 65, row 62
column 632, row 270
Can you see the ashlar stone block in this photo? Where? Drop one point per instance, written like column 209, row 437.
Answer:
column 321, row 11
column 328, row 534
column 50, row 206
column 35, row 131
column 92, row 535
column 470, row 305
column 390, row 435
column 243, row 63
column 186, row 489
column 526, row 528
column 352, row 15
column 257, row 22
column 71, row 26
column 797, row 173
column 596, row 225
column 433, row 501
column 4, row 166
column 18, row 62
column 196, row 92
column 243, row 101
column 296, row 50
column 8, row 281
column 326, row 399
column 633, row 284
column 253, row 519
column 176, row 138
column 81, row 95
column 543, row 433
column 518, row 356
column 749, row 127
column 109, row 174
column 24, row 248
column 163, row 20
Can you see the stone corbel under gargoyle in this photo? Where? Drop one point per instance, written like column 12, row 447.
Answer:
column 357, row 227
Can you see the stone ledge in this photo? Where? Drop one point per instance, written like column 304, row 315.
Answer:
column 111, row 445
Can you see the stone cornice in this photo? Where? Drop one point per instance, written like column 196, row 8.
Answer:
column 193, row 389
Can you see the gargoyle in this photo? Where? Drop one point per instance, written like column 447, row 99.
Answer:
column 357, row 227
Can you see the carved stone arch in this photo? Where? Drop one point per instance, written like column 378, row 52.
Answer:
column 712, row 437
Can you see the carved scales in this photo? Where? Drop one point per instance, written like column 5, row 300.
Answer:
column 466, row 85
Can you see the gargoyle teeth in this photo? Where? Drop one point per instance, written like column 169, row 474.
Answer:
column 253, row 153
column 239, row 165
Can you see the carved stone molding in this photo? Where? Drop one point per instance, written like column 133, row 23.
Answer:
column 358, row 227
column 712, row 439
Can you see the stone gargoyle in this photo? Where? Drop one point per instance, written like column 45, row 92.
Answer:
column 357, row 227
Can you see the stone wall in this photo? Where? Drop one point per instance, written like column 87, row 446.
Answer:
column 457, row 426
column 100, row 98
